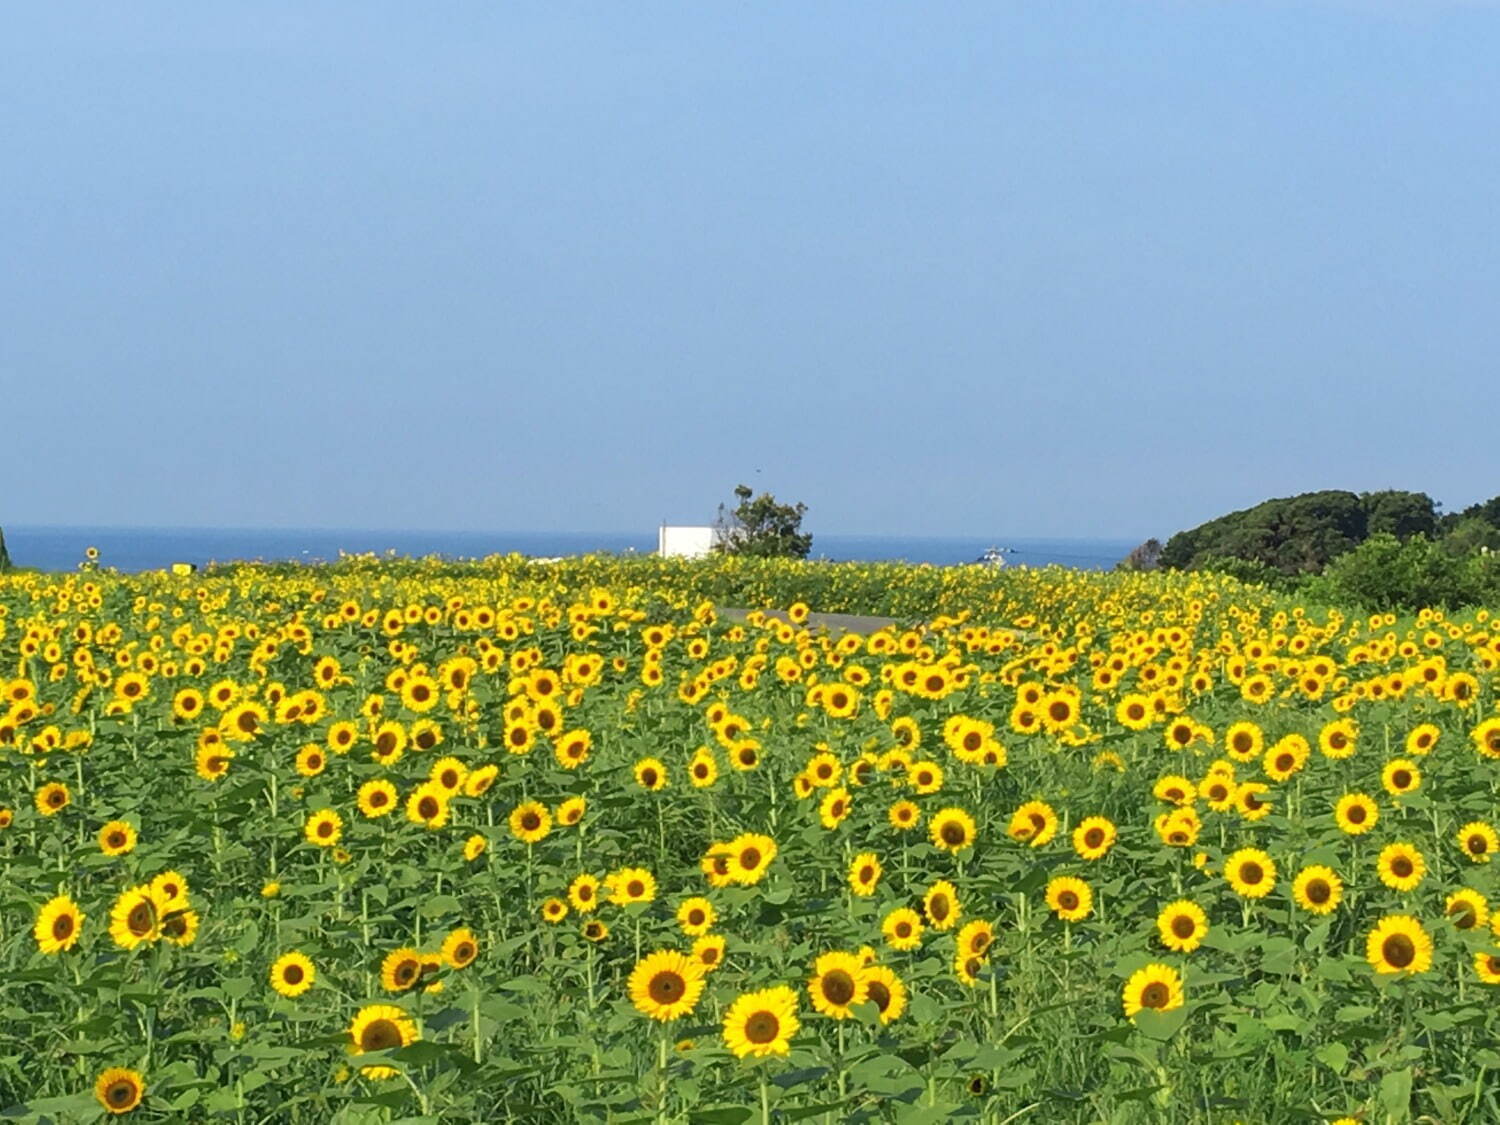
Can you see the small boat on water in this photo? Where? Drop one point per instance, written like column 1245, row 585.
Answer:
column 994, row 556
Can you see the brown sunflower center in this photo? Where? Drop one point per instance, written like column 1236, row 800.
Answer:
column 1183, row 926
column 1398, row 950
column 762, row 1027
column 1155, row 995
column 838, row 987
column 667, row 987
column 380, row 1035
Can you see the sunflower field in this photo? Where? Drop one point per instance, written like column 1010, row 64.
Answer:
column 396, row 840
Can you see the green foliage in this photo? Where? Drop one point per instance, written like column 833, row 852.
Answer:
column 4, row 554
column 760, row 527
column 1384, row 573
column 1302, row 534
column 1246, row 570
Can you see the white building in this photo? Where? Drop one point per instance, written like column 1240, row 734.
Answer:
column 685, row 542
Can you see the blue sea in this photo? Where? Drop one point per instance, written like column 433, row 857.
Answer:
column 149, row 548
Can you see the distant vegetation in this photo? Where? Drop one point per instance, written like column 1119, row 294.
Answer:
column 1380, row 550
column 760, row 527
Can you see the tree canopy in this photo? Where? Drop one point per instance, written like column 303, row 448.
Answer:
column 761, row 527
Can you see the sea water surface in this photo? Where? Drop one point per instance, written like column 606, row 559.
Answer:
column 149, row 548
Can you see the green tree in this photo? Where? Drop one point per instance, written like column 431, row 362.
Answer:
column 762, row 528
column 4, row 554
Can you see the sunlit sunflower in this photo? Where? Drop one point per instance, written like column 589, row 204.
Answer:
column 530, row 822
column 975, row 939
column 212, row 761
column 324, row 828
column 1401, row 866
column 864, row 874
column 1478, row 840
column 1487, row 966
column 941, row 905
column 761, row 1024
column 952, row 830
column 837, row 984
column 1182, row 925
column 293, row 974
column 460, row 948
column 52, row 798
column 1069, row 898
column 1251, row 873
column 904, row 816
column 1093, row 837
column 696, row 916
column 1158, row 987
column 708, row 951
column 117, row 838
column 666, row 985
column 1318, row 889
column 1400, row 777
column 400, row 969
column 902, row 928
column 1339, row 738
column 1399, row 944
column 58, row 925
column 750, row 856
column 381, row 1027
column 886, row 991
column 1356, row 814
column 119, row 1089
column 1467, row 909
column 1034, row 823
column 630, row 885
column 377, row 798
column 583, row 893
column 135, row 917
column 428, row 805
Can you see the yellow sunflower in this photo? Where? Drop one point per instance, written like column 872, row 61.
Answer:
column 1401, row 866
column 761, row 1024
column 1156, row 986
column 293, row 974
column 58, row 925
column 1399, row 944
column 1251, row 873
column 1182, row 925
column 1069, row 898
column 119, row 1089
column 381, row 1027
column 1318, row 889
column 837, row 984
column 666, row 985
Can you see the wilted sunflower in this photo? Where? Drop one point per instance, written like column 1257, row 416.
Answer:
column 1399, row 944
column 1251, row 873
column 761, row 1024
column 941, row 905
column 837, row 984
column 1069, row 898
column 1182, row 925
column 1318, row 889
column 293, row 974
column 117, row 838
column 381, row 1027
column 1401, row 866
column 58, row 925
column 1158, row 987
column 594, row 930
column 886, row 991
column 902, row 928
column 119, row 1089
column 666, row 985
column 530, row 822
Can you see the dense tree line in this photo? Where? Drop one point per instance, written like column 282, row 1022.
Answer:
column 1381, row 550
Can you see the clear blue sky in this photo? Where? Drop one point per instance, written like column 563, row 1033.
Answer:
column 1055, row 268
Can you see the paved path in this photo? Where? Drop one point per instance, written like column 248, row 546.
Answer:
column 833, row 622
